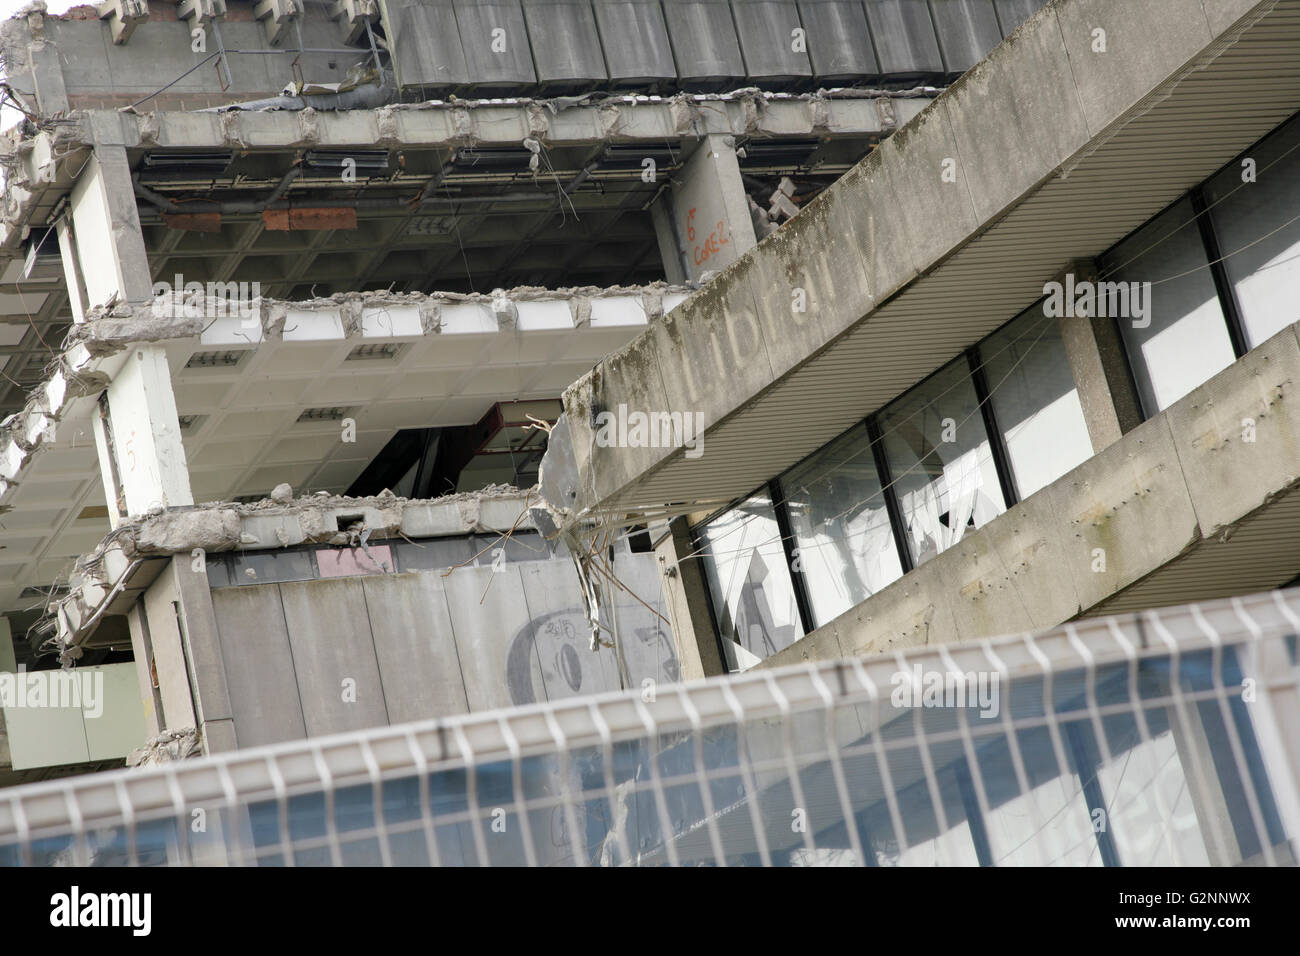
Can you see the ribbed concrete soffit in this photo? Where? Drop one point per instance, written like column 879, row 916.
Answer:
column 1051, row 149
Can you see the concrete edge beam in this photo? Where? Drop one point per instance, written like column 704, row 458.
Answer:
column 236, row 314
column 189, row 535
column 439, row 124
column 973, row 133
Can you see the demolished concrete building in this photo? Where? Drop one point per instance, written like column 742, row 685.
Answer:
column 1033, row 359
column 360, row 250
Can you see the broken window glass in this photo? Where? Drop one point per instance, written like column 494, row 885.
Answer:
column 749, row 581
column 940, row 461
column 846, row 548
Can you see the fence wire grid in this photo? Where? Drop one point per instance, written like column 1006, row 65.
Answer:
column 1166, row 737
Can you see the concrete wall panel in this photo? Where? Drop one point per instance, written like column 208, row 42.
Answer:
column 1012, row 13
column 979, row 588
column 1110, row 82
column 415, row 646
column 635, row 39
column 704, row 42
column 967, row 31
column 160, row 52
column 632, row 374
column 425, row 43
column 915, row 610
column 329, row 634
column 558, row 636
column 646, row 639
column 714, row 354
column 259, row 665
column 1238, row 436
column 878, row 238
column 767, row 30
column 839, row 43
column 933, row 189
column 991, row 106
column 495, row 42
column 1223, row 14
column 1129, row 506
column 566, row 46
column 1028, row 540
column 484, row 631
column 904, row 38
column 794, row 313
column 168, row 654
column 822, row 644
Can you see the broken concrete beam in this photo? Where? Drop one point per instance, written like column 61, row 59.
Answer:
column 501, row 514
column 431, row 519
column 272, row 531
column 236, row 313
column 172, row 532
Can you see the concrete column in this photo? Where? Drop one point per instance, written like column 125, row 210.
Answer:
column 8, row 662
column 138, row 436
column 72, row 271
column 1110, row 401
column 686, row 601
column 106, row 229
column 142, row 651
column 671, row 245
column 47, row 78
column 1204, row 786
column 704, row 223
column 202, row 644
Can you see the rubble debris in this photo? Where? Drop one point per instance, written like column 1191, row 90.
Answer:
column 170, row 746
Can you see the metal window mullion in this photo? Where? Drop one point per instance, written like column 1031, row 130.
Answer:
column 892, row 507
column 1180, row 710
column 997, row 442
column 1227, row 293
column 1090, row 781
column 1253, row 802
column 1144, row 736
column 698, row 554
column 797, row 582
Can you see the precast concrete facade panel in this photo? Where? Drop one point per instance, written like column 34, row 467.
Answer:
column 839, row 43
column 494, row 47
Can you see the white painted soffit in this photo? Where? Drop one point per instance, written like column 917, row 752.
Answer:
column 243, row 382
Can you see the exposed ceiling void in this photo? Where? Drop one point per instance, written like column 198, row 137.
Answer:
column 33, row 321
column 505, row 446
column 315, row 408
column 456, row 220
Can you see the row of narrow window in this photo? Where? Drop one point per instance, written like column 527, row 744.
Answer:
column 1003, row 420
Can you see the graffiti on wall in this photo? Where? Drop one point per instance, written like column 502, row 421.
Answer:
column 553, row 651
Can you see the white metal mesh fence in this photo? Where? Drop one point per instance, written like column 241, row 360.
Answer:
column 1172, row 737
